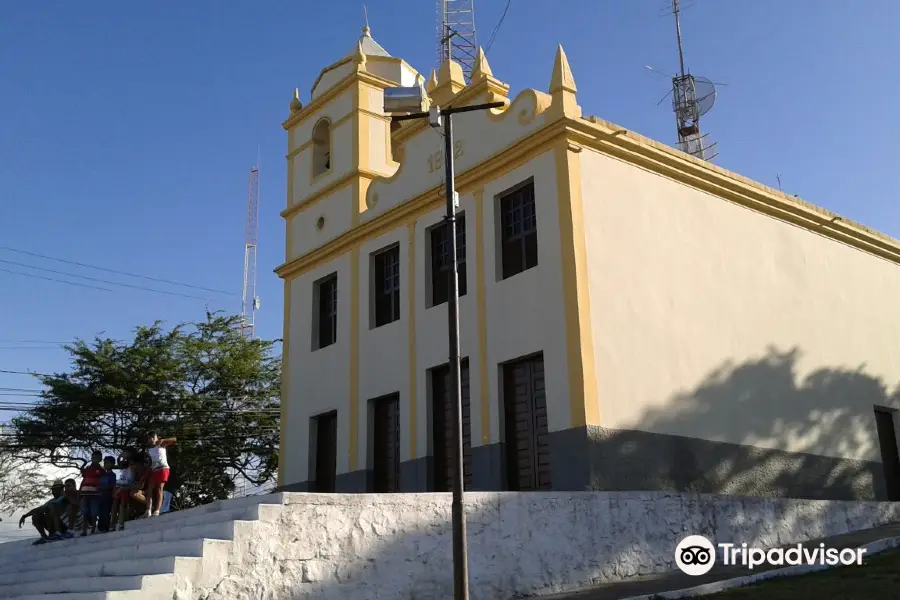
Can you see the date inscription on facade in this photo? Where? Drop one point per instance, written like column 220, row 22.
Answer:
column 436, row 159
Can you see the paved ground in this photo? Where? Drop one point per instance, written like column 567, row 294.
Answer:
column 677, row 580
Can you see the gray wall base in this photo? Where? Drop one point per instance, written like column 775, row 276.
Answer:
column 600, row 459
column 637, row 460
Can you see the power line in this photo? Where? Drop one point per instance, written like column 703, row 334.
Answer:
column 84, row 285
column 7, row 371
column 56, row 347
column 10, row 341
column 497, row 28
column 126, row 273
column 137, row 287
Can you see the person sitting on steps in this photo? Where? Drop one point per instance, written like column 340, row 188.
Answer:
column 46, row 518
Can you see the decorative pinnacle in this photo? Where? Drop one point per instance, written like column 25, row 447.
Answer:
column 432, row 81
column 359, row 57
column 562, row 78
column 296, row 105
column 451, row 72
column 481, row 69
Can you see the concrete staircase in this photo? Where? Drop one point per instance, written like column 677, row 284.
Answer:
column 165, row 557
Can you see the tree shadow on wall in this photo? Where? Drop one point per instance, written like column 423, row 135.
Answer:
column 357, row 548
column 749, row 408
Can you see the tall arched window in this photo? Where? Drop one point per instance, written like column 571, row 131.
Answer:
column 321, row 147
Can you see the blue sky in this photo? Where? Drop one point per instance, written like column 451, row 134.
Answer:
column 127, row 129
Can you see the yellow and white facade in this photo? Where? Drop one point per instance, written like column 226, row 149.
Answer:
column 694, row 329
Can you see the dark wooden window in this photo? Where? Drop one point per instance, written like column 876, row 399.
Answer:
column 443, row 434
column 386, row 285
column 386, row 444
column 440, row 260
column 326, row 452
column 525, row 408
column 890, row 459
column 326, row 319
column 518, row 231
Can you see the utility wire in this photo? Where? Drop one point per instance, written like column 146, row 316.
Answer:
column 25, row 373
column 10, row 341
column 137, row 287
column 126, row 273
column 84, row 285
column 497, row 28
column 56, row 347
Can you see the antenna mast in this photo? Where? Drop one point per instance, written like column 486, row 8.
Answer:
column 249, row 300
column 692, row 97
column 456, row 34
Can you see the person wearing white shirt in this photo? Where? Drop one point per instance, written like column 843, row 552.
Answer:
column 160, row 471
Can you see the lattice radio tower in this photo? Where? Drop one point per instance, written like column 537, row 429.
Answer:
column 249, row 299
column 692, row 97
column 456, row 34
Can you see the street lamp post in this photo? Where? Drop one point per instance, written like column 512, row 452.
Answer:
column 410, row 102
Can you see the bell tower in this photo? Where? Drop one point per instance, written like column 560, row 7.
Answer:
column 339, row 142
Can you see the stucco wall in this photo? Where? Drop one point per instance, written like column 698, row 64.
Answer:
column 713, row 321
column 399, row 546
column 320, row 379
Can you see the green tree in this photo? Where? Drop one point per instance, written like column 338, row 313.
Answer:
column 203, row 383
column 20, row 485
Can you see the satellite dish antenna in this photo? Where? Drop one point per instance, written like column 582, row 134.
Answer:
column 692, row 97
column 705, row 92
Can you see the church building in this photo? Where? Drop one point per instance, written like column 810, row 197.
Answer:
column 631, row 317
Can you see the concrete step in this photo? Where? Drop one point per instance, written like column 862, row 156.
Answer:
column 220, row 506
column 261, row 512
column 125, row 595
column 16, row 548
column 181, row 548
column 150, row 585
column 121, row 539
column 180, row 565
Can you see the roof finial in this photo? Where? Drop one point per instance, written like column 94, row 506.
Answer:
column 296, row 105
column 366, row 30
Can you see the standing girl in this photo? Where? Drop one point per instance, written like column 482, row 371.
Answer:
column 159, row 463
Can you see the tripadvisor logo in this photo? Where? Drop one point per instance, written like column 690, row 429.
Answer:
column 695, row 555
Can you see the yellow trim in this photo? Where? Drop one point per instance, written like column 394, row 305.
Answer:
column 354, row 361
column 335, row 185
column 481, row 299
column 362, row 141
column 375, row 115
column 316, row 104
column 348, row 59
column 583, row 396
column 635, row 149
column 355, row 151
column 285, row 380
column 332, row 66
column 289, row 237
column 413, row 400
column 496, row 166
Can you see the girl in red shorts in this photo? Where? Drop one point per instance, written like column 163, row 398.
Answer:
column 160, row 471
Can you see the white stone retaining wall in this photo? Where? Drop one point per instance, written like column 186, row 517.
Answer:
column 399, row 546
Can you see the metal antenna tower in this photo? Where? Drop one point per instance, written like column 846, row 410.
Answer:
column 692, row 97
column 249, row 299
column 456, row 34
